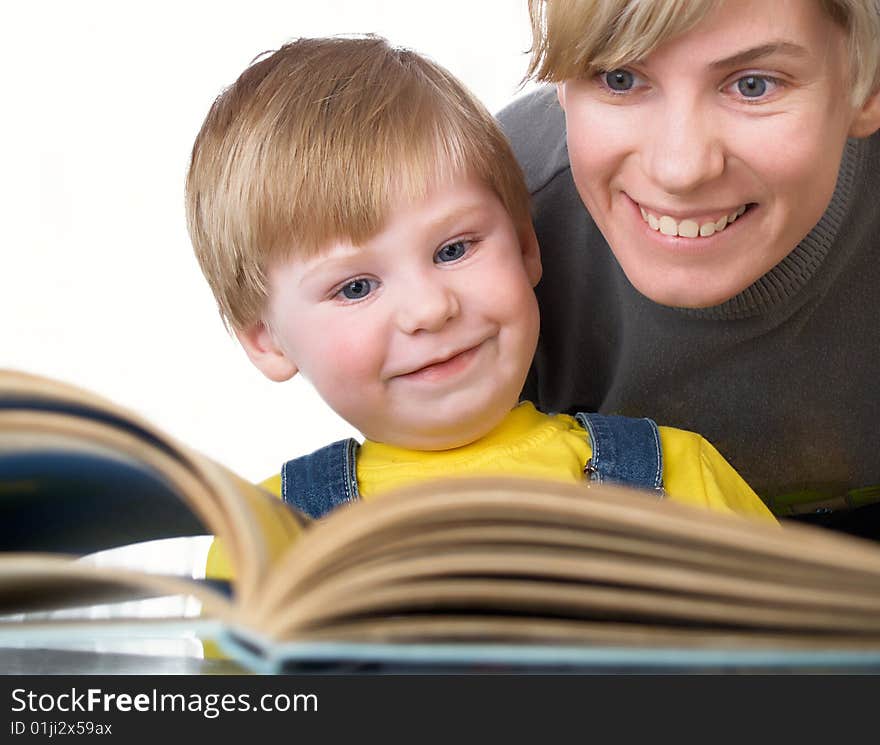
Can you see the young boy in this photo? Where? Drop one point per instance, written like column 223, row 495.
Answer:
column 361, row 219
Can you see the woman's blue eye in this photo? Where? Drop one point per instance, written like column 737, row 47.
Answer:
column 357, row 289
column 619, row 80
column 451, row 252
column 752, row 86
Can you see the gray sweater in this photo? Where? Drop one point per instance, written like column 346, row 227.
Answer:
column 782, row 378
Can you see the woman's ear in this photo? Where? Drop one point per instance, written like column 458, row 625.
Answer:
column 867, row 118
column 265, row 353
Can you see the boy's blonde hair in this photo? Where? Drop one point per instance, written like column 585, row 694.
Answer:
column 315, row 143
column 572, row 38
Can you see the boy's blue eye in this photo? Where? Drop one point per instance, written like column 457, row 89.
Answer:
column 451, row 252
column 619, row 80
column 357, row 289
column 752, row 86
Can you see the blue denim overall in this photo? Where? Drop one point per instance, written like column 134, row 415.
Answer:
column 625, row 451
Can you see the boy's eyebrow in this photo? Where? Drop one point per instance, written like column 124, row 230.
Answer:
column 458, row 213
column 322, row 262
column 761, row 51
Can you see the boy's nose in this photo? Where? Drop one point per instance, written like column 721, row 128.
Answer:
column 426, row 305
column 683, row 150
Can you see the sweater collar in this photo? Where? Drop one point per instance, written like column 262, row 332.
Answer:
column 792, row 273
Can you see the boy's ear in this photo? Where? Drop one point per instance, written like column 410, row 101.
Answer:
column 867, row 118
column 531, row 253
column 560, row 94
column 264, row 352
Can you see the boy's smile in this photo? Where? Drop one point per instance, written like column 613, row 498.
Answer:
column 707, row 162
column 441, row 367
column 422, row 335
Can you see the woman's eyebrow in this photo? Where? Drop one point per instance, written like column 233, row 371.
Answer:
column 761, row 51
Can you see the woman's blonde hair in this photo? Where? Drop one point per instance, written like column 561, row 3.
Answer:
column 314, row 143
column 571, row 38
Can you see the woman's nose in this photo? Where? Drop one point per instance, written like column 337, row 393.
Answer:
column 683, row 149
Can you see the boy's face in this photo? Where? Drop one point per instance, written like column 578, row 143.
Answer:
column 750, row 109
column 422, row 336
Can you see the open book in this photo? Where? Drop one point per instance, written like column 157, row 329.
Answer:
column 455, row 575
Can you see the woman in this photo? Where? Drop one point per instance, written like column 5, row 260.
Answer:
column 705, row 179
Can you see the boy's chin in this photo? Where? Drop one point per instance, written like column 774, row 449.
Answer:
column 440, row 437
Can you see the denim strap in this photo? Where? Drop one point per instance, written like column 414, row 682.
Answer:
column 318, row 483
column 625, row 451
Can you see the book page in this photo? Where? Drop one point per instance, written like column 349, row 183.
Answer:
column 34, row 582
column 52, row 417
column 541, row 550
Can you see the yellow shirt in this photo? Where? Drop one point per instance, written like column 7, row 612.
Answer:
column 530, row 444
column 535, row 445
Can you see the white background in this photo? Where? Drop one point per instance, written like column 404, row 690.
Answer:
column 98, row 285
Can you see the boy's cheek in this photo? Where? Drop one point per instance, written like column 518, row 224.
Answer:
column 344, row 361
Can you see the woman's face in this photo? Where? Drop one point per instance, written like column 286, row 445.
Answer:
column 707, row 162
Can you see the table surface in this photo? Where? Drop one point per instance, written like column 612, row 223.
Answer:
column 30, row 661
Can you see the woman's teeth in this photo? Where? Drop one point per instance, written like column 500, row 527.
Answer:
column 688, row 228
